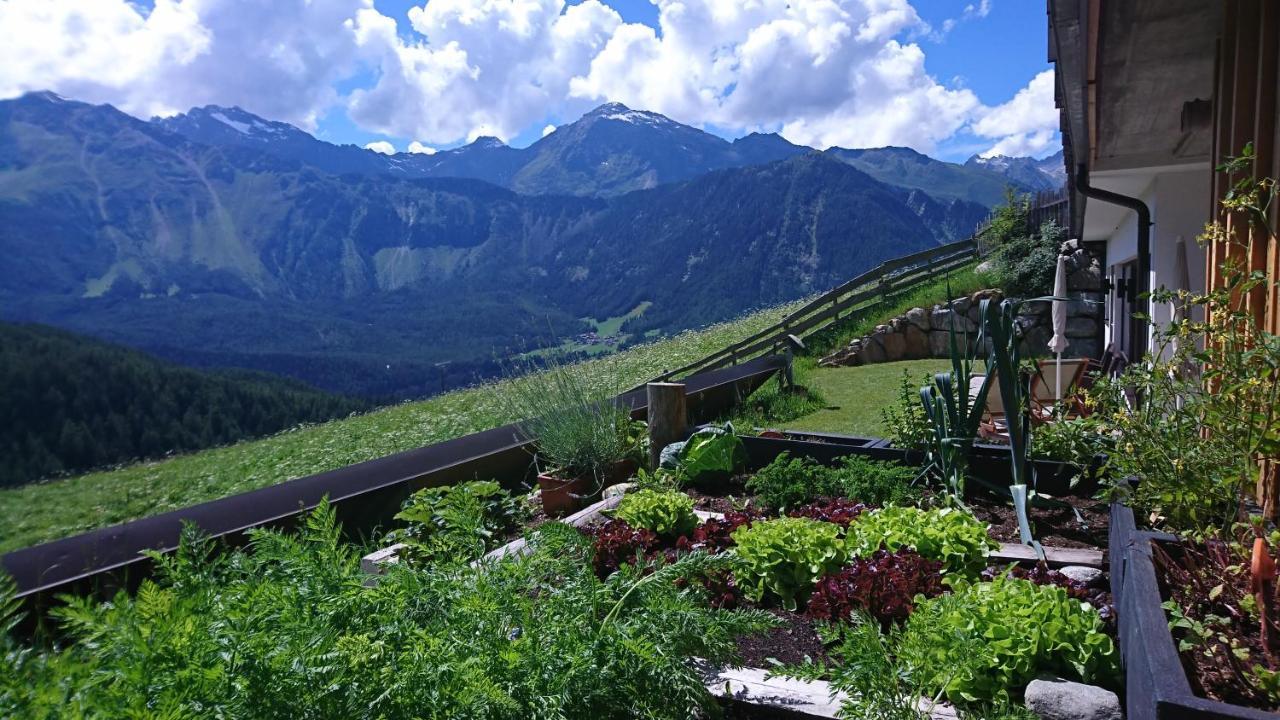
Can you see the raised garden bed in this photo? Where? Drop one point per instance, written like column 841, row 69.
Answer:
column 749, row 691
column 1156, row 682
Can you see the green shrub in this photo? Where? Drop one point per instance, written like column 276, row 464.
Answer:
column 954, row 537
column 789, row 482
column 785, row 557
column 667, row 513
column 286, row 628
column 1025, row 265
column 459, row 522
column 987, row 640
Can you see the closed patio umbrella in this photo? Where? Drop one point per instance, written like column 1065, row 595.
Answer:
column 1058, row 343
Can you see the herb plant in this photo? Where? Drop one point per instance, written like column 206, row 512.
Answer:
column 667, row 513
column 286, row 628
column 784, row 557
column 789, row 482
column 457, row 522
column 953, row 537
column 579, row 427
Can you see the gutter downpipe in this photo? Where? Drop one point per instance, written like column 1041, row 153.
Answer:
column 1144, row 229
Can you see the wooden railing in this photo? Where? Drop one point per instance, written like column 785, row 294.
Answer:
column 863, row 293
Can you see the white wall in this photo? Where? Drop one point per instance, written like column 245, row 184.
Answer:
column 1179, row 204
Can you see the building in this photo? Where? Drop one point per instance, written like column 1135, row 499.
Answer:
column 1154, row 94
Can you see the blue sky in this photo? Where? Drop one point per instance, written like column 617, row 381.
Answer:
column 950, row 78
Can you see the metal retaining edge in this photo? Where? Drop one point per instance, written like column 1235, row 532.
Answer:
column 365, row 496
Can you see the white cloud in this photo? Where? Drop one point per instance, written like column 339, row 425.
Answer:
column 970, row 12
column 1026, row 124
column 822, row 72
column 381, row 146
column 548, row 130
column 419, row 149
column 279, row 59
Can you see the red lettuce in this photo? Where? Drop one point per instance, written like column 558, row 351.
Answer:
column 883, row 586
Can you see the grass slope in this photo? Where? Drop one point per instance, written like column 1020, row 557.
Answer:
column 51, row 510
column 856, row 395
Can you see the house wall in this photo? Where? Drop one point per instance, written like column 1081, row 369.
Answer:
column 1179, row 204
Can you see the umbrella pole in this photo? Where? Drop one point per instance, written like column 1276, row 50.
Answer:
column 1057, row 378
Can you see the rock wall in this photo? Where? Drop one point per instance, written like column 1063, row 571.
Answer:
column 924, row 333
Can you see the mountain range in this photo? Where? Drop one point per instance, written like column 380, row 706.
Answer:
column 219, row 238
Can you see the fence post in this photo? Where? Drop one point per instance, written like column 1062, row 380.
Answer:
column 667, row 416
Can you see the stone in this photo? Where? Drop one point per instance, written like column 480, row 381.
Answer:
column 895, row 345
column 918, row 317
column 939, row 344
column 1081, row 327
column 872, row 352
column 940, row 320
column 915, row 343
column 985, row 267
column 1053, row 698
column 617, row 490
column 1091, row 577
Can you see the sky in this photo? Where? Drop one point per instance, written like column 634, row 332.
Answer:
column 950, row 78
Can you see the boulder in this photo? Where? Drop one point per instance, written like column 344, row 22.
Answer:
column 985, row 267
column 1053, row 698
column 872, row 352
column 915, row 343
column 939, row 344
column 895, row 345
column 1091, row 577
column 918, row 317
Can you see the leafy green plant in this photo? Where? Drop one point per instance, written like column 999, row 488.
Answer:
column 789, row 482
column 952, row 536
column 784, row 557
column 579, row 427
column 712, row 454
column 907, row 423
column 987, row 640
column 1072, row 440
column 668, row 513
column 874, row 482
column 867, row 665
column 457, row 522
column 286, row 628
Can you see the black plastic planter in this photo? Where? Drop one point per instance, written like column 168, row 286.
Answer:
column 1156, row 686
column 987, row 461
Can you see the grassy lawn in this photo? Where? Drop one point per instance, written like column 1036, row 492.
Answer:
column 50, row 510
column 855, row 395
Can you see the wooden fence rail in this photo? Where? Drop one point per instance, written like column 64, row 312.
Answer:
column 866, row 291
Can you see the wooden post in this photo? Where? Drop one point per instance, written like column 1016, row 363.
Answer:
column 667, row 418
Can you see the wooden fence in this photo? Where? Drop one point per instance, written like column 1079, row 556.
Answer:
column 863, row 293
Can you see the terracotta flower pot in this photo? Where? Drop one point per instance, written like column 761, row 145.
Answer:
column 561, row 496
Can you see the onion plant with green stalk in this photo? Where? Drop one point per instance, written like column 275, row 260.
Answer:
column 954, row 414
column 1004, row 361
